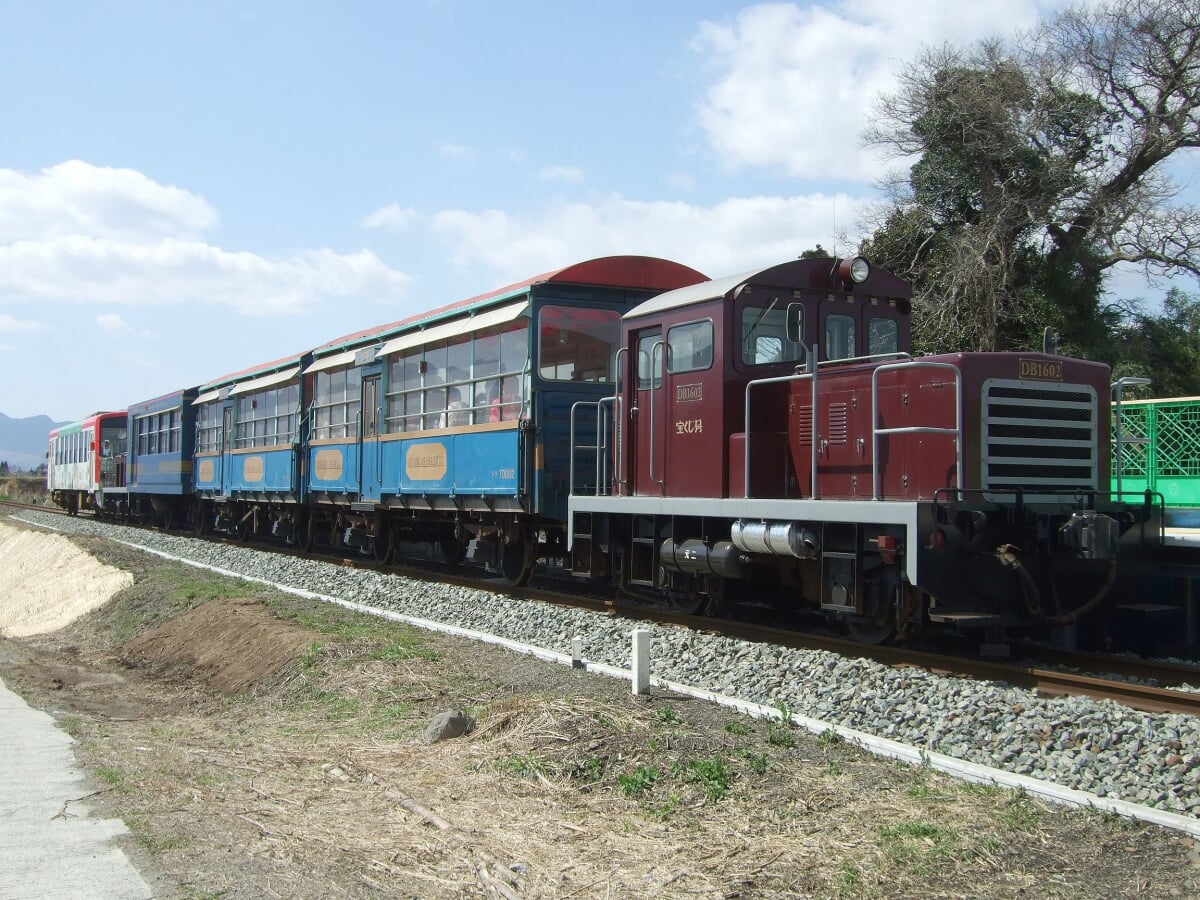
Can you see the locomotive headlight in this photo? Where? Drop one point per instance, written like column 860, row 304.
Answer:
column 854, row 271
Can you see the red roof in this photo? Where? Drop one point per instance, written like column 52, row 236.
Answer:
column 637, row 272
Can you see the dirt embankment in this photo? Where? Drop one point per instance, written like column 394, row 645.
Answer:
column 25, row 489
column 48, row 582
column 258, row 745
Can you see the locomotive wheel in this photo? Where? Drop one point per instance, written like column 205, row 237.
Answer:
column 385, row 547
column 308, row 532
column 200, row 525
column 517, row 559
column 243, row 529
column 871, row 631
column 168, row 519
column 690, row 604
column 454, row 551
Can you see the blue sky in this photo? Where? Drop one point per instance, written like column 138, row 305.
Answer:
column 187, row 189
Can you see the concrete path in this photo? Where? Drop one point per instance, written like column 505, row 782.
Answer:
column 49, row 845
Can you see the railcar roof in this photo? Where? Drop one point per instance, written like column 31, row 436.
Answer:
column 637, row 272
column 819, row 274
column 255, row 371
column 172, row 395
column 79, row 424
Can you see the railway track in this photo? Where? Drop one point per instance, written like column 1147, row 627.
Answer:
column 1098, row 676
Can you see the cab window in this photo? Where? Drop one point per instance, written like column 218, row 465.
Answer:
column 649, row 362
column 763, row 335
column 883, row 336
column 690, row 347
column 840, row 340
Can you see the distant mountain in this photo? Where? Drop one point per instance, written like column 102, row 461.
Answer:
column 23, row 441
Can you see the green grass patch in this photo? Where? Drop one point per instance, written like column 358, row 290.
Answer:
column 523, row 765
column 830, row 738
column 663, row 812
column 666, row 716
column 715, row 775
column 915, row 844
column 591, row 769
column 755, row 762
column 119, row 781
column 738, row 728
column 638, row 782
column 780, row 735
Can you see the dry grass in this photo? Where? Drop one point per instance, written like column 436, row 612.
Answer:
column 314, row 783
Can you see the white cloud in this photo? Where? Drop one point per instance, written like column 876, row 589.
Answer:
column 75, row 198
column 794, row 86
column 569, row 174
column 11, row 325
column 727, row 237
column 114, row 325
column 392, row 216
column 77, row 233
column 455, row 151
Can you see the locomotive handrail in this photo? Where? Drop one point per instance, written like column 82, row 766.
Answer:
column 780, row 379
column 599, row 447
column 618, row 417
column 871, row 357
column 1117, row 389
column 602, row 450
column 876, row 431
column 573, row 447
column 662, row 380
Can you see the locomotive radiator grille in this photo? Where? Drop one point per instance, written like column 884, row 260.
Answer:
column 1038, row 435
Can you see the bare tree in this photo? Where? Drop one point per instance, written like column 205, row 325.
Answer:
column 1040, row 166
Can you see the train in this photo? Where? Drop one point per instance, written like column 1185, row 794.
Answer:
column 761, row 442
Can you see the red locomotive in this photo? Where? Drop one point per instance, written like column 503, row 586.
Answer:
column 772, row 437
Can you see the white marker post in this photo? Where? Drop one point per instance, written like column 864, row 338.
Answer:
column 576, row 653
column 641, row 661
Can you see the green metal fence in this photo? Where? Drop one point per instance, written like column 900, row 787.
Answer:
column 1159, row 449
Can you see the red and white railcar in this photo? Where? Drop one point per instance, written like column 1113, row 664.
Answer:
column 85, row 463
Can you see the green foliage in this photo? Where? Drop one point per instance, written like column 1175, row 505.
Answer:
column 714, row 774
column 830, row 738
column 755, row 762
column 738, row 728
column 592, row 768
column 523, row 765
column 666, row 716
column 849, row 878
column 638, row 782
column 119, row 780
column 665, row 810
column 916, row 843
column 780, row 735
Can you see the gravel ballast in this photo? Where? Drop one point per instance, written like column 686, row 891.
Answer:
column 1095, row 746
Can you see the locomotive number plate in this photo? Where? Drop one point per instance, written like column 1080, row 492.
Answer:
column 1041, row 370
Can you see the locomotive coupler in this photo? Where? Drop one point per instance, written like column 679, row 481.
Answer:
column 1091, row 535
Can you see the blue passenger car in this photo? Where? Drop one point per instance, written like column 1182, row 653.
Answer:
column 162, row 441
column 249, row 451
column 453, row 426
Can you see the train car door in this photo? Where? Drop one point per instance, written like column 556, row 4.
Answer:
column 370, row 475
column 692, row 442
column 226, row 449
column 647, row 413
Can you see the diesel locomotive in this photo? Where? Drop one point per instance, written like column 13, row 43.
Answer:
column 772, row 441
